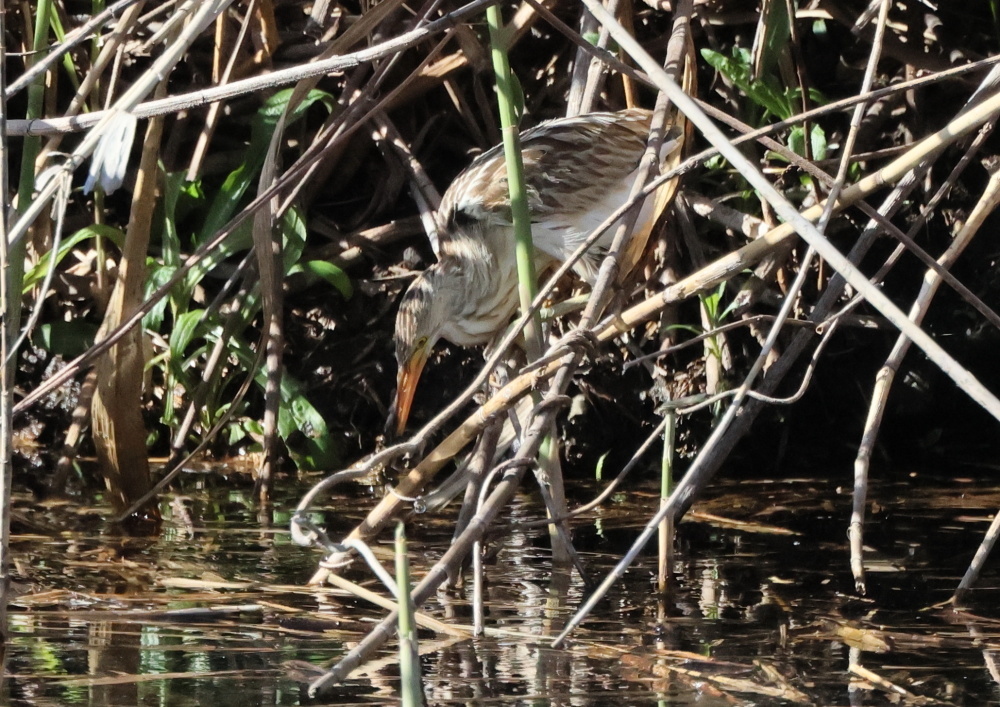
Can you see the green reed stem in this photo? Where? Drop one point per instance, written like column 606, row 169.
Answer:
column 31, row 146
column 666, row 529
column 409, row 657
column 520, row 214
column 527, row 279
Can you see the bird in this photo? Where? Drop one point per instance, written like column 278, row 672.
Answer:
column 578, row 170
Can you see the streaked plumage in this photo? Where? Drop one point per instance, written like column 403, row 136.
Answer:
column 577, row 170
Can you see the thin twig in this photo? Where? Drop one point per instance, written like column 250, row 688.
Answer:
column 987, row 203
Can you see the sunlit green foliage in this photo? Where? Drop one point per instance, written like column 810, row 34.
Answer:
column 776, row 101
column 204, row 309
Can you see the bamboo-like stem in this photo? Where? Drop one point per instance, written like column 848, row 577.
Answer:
column 409, row 656
column 36, row 97
column 520, row 214
column 549, row 471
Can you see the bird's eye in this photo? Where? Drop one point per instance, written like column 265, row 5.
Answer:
column 462, row 219
column 421, row 342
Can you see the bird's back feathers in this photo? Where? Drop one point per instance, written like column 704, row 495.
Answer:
column 577, row 172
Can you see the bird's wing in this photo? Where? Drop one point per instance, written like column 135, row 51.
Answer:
column 577, row 172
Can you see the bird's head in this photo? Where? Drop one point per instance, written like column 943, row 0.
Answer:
column 423, row 315
column 455, row 299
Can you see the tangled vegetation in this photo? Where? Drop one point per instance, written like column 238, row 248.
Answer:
column 217, row 206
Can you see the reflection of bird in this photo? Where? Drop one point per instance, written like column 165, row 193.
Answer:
column 578, row 171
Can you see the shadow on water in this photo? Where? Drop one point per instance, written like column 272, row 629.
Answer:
column 762, row 612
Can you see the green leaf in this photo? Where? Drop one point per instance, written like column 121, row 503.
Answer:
column 37, row 273
column 761, row 91
column 67, row 339
column 184, row 331
column 55, row 22
column 158, row 276
column 599, row 469
column 332, row 274
column 234, row 433
column 817, row 138
column 293, row 236
column 300, row 425
column 797, row 140
column 173, row 188
column 239, row 180
column 690, row 328
column 776, row 28
column 304, row 430
column 253, row 427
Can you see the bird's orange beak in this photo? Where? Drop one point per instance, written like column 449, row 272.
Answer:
column 406, row 387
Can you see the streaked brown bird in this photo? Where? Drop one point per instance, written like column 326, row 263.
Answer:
column 578, row 171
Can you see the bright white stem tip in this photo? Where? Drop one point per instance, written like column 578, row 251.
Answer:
column 110, row 160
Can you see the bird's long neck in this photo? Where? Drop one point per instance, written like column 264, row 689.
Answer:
column 484, row 272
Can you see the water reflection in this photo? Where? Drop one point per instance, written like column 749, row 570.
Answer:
column 213, row 611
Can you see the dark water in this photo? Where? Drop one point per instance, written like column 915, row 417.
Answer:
column 756, row 616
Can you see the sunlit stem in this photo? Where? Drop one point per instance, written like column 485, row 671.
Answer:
column 409, row 657
column 666, row 529
column 29, row 154
column 520, row 214
column 507, row 100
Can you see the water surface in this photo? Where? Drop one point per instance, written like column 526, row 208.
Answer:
column 762, row 610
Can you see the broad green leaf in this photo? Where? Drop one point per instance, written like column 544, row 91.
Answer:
column 797, row 140
column 265, row 121
column 300, row 425
column 158, row 275
column 184, row 331
column 37, row 273
column 817, row 136
column 66, row 339
column 234, row 433
column 760, row 91
column 332, row 274
column 314, row 448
